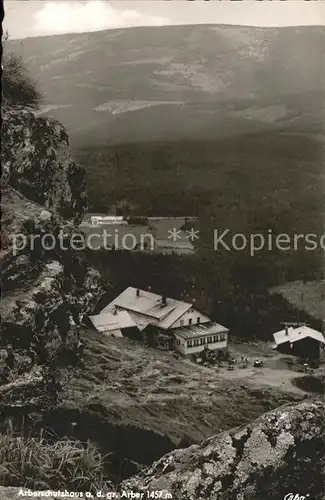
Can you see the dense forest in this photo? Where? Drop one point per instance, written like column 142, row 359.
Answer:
column 268, row 175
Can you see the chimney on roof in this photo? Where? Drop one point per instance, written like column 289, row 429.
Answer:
column 286, row 330
column 115, row 310
column 138, row 292
column 163, row 300
column 149, row 288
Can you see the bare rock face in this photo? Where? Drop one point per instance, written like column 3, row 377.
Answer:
column 36, row 162
column 280, row 453
column 46, row 286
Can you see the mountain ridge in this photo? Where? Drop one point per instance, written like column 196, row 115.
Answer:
column 178, row 81
column 221, row 25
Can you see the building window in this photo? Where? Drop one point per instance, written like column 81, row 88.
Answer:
column 182, row 322
column 198, row 319
column 189, row 343
column 190, row 321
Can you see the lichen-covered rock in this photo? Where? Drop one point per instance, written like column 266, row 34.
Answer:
column 280, row 453
column 36, row 162
column 46, row 286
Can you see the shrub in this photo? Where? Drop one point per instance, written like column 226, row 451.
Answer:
column 18, row 88
column 36, row 463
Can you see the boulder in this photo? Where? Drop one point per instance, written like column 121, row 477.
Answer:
column 282, row 453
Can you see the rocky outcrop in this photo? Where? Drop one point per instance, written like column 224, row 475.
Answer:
column 36, row 162
column 282, row 452
column 280, row 455
column 46, row 286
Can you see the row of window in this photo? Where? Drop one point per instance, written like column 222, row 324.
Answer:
column 206, row 340
column 190, row 321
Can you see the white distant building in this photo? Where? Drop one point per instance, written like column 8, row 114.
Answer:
column 98, row 220
column 166, row 323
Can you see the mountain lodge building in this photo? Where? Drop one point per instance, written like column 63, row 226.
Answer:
column 164, row 323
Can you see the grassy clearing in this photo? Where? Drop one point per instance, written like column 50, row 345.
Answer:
column 35, row 463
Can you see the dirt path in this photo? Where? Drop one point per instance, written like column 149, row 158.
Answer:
column 276, row 372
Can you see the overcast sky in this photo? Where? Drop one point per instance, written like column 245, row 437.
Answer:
column 35, row 18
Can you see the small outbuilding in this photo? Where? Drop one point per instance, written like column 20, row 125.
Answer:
column 117, row 324
column 301, row 341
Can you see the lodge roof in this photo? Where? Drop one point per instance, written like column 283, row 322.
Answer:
column 108, row 321
column 151, row 305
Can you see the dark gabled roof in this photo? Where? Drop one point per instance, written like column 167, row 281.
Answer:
column 296, row 334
